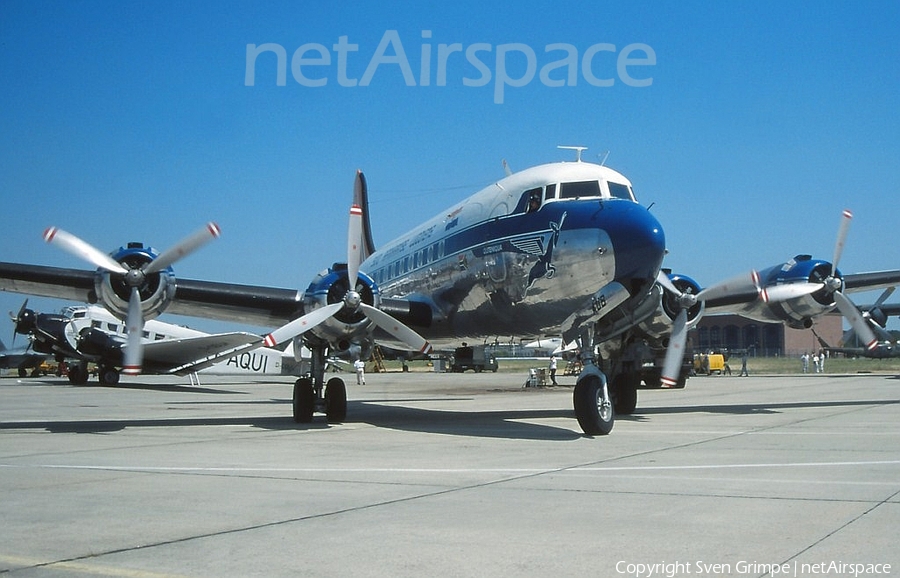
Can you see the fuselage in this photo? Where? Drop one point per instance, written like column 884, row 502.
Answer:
column 519, row 256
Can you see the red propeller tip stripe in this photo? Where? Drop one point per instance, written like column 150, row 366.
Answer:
column 214, row 229
column 668, row 382
column 356, row 210
column 872, row 344
column 131, row 370
column 426, row 348
column 270, row 341
column 50, row 233
column 848, row 214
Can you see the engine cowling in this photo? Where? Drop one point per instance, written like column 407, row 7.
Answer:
column 156, row 291
column 348, row 328
column 799, row 312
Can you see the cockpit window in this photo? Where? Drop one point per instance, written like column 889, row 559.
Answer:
column 620, row 191
column 530, row 201
column 579, row 189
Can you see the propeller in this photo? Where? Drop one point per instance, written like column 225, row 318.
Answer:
column 135, row 278
column 833, row 284
column 352, row 300
column 742, row 284
column 16, row 319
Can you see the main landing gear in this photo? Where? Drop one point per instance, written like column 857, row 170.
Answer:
column 312, row 394
column 593, row 404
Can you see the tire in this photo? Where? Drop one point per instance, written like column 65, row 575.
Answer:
column 624, row 393
column 335, row 400
column 304, row 402
column 78, row 375
column 587, row 399
column 108, row 376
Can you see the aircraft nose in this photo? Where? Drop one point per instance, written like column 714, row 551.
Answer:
column 638, row 242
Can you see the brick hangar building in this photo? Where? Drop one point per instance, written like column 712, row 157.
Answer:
column 768, row 339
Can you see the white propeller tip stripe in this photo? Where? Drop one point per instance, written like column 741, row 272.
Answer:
column 270, row 341
column 214, row 229
column 426, row 348
column 49, row 233
column 848, row 214
column 668, row 382
column 872, row 344
column 131, row 370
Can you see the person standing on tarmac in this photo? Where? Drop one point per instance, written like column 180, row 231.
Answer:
column 553, row 370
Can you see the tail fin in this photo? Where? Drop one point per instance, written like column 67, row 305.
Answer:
column 361, row 198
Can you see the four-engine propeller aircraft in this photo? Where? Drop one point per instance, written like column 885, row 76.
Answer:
column 561, row 248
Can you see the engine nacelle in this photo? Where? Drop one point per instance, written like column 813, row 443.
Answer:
column 799, row 312
column 348, row 328
column 156, row 292
column 659, row 325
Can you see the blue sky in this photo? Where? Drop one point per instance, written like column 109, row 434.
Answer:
column 129, row 121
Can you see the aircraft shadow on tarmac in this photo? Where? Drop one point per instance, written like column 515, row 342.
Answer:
column 493, row 424
column 750, row 409
column 508, row 424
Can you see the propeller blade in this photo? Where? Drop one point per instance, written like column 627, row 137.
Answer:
column 354, row 245
column 72, row 244
column 878, row 302
column 186, row 246
column 134, row 323
column 846, row 216
column 302, row 324
column 852, row 314
column 667, row 284
column 397, row 329
column 675, row 352
column 740, row 284
column 788, row 291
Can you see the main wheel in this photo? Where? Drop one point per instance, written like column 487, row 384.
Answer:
column 108, row 375
column 594, row 415
column 304, row 400
column 624, row 392
column 78, row 374
column 335, row 400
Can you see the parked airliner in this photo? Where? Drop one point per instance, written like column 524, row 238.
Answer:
column 558, row 249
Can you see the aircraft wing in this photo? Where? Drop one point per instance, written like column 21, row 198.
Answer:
column 868, row 281
column 71, row 284
column 190, row 354
column 254, row 305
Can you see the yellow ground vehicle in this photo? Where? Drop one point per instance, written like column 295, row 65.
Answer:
column 709, row 363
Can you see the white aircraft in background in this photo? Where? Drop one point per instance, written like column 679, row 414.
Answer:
column 557, row 249
column 90, row 334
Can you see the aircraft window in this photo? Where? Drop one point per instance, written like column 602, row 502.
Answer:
column 160, row 337
column 146, row 334
column 579, row 189
column 620, row 191
column 440, row 249
column 112, row 327
column 431, row 253
column 550, row 192
column 96, row 324
column 534, row 200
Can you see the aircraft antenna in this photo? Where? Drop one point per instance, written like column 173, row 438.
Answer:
column 605, row 156
column 506, row 168
column 578, row 151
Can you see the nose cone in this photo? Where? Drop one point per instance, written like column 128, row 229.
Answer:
column 638, row 242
